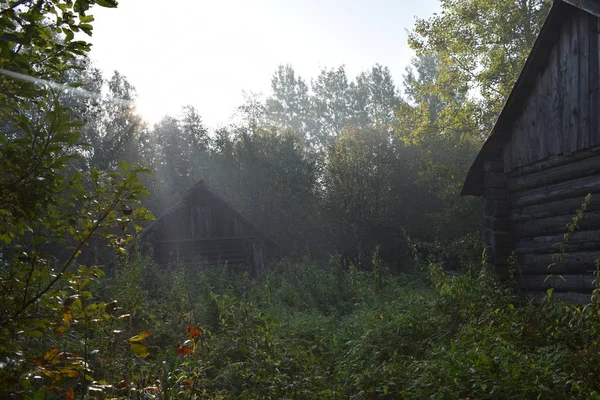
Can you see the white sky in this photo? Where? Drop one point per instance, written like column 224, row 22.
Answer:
column 205, row 53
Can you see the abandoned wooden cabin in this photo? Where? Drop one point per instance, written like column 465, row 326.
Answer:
column 203, row 227
column 543, row 157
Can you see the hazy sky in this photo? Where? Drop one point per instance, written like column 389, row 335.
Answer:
column 205, row 53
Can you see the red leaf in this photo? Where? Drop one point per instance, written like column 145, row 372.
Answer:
column 193, row 333
column 184, row 350
column 70, row 395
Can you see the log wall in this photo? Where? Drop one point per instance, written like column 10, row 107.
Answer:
column 561, row 114
column 202, row 227
column 543, row 198
column 498, row 241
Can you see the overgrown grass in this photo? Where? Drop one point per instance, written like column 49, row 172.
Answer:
column 308, row 331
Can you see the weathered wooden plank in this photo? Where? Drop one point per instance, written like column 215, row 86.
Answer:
column 496, row 224
column 508, row 149
column 572, row 93
column 552, row 225
column 493, row 166
column 574, row 262
column 530, row 114
column 566, row 282
column 541, row 131
column 554, row 161
column 497, row 208
column 583, row 34
column 557, row 191
column 495, row 180
column 553, row 209
column 563, row 88
column 554, row 120
column 578, row 261
column 497, row 257
column 496, row 194
column 543, row 128
column 587, row 240
column 528, row 246
column 498, row 239
column 575, row 169
column 578, row 241
column 594, row 81
column 568, row 297
column 555, row 268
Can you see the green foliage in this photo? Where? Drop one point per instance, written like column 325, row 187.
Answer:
column 266, row 174
column 50, row 212
column 321, row 331
column 481, row 46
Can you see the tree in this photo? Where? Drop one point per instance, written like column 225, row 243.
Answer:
column 442, row 124
column 289, row 105
column 469, row 56
column 119, row 133
column 332, row 105
column 267, row 176
column 370, row 189
column 482, row 45
column 376, row 98
column 180, row 156
column 44, row 203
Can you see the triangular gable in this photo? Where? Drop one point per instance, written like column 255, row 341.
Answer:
column 536, row 61
column 202, row 187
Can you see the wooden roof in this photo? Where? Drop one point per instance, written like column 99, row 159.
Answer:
column 201, row 186
column 536, row 61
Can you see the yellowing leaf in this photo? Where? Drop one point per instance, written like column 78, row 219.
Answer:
column 139, row 337
column 71, row 373
column 67, row 315
column 51, row 355
column 139, row 349
column 61, row 329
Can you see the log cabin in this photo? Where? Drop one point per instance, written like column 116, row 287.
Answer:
column 543, row 157
column 202, row 227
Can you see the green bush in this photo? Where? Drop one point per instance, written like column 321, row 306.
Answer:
column 305, row 331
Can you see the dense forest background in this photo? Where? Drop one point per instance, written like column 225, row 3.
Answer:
column 332, row 163
column 357, row 178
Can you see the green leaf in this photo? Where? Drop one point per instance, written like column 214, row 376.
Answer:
column 107, row 3
column 86, row 18
column 69, row 35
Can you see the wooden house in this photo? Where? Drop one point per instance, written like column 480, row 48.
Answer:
column 202, row 227
column 543, row 157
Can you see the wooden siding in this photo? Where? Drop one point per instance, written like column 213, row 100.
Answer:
column 543, row 199
column 233, row 251
column 203, row 227
column 201, row 217
column 561, row 115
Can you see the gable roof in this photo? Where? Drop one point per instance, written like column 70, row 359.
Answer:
column 202, row 187
column 537, row 59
